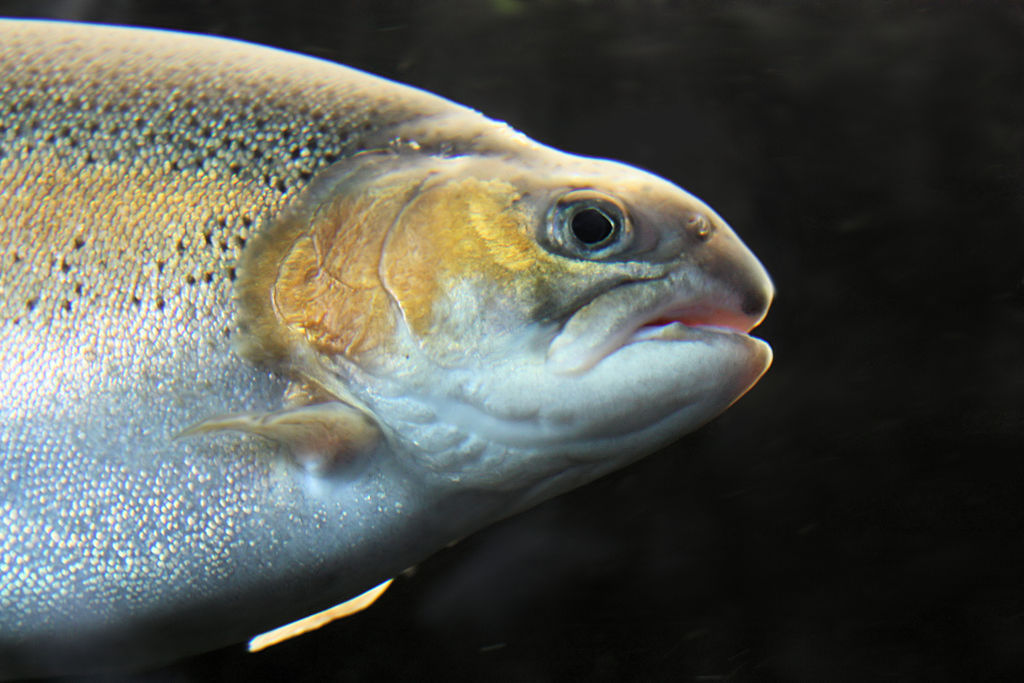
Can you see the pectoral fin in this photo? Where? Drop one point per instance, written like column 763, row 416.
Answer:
column 318, row 435
column 315, row 621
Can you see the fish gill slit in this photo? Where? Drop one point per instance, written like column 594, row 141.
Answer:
column 387, row 239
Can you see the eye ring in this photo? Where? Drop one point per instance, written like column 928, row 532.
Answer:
column 588, row 224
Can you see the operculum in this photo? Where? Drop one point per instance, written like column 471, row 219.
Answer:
column 308, row 283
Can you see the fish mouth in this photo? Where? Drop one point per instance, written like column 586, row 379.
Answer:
column 680, row 324
column 649, row 311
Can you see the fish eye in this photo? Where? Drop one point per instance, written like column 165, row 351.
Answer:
column 588, row 224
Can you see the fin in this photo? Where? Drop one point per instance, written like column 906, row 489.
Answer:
column 318, row 435
column 315, row 621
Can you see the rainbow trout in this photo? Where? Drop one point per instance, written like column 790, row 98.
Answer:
column 273, row 330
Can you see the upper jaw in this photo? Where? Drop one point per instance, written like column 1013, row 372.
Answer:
column 672, row 308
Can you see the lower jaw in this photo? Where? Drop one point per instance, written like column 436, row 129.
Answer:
column 756, row 357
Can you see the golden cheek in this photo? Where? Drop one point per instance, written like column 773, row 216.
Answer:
column 314, row 277
column 466, row 229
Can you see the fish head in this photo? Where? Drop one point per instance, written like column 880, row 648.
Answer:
column 524, row 321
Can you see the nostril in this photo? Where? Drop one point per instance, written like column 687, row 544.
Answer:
column 700, row 226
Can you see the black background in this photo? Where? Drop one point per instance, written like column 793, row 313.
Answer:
column 860, row 514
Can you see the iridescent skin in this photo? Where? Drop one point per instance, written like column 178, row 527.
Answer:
column 200, row 237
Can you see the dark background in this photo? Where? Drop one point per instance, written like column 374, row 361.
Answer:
column 860, row 514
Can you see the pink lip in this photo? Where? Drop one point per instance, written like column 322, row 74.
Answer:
column 704, row 316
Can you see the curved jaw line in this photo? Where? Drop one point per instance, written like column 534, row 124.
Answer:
column 639, row 312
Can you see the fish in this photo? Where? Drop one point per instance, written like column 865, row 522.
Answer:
column 274, row 330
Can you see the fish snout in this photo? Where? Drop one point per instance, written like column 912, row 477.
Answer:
column 738, row 282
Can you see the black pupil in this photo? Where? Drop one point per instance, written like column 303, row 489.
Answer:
column 591, row 226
